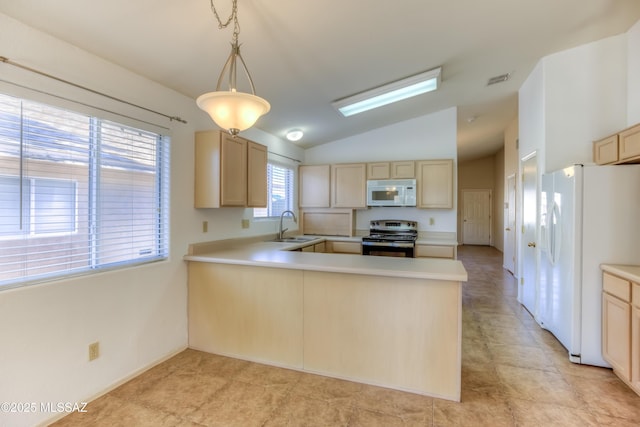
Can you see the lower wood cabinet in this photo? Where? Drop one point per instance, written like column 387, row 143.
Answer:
column 621, row 328
column 435, row 251
column 337, row 247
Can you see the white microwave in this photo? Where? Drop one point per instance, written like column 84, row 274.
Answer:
column 391, row 192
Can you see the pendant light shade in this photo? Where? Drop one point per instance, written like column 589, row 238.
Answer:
column 233, row 111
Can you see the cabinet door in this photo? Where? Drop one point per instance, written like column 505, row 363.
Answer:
column 630, row 143
column 605, row 151
column 233, row 171
column 616, row 334
column 207, row 170
column 435, row 184
column 349, row 185
column 378, row 170
column 314, row 183
column 256, row 175
column 635, row 347
column 403, row 170
column 433, row 251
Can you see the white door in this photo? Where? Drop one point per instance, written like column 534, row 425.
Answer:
column 476, row 217
column 509, row 256
column 528, row 291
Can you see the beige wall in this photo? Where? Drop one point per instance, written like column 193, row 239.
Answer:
column 478, row 174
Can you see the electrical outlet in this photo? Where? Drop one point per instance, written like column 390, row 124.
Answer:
column 94, row 351
column 205, row 226
column 245, row 223
column 432, row 221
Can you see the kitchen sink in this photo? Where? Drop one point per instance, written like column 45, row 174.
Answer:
column 294, row 239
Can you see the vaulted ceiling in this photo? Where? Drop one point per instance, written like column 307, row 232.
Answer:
column 305, row 54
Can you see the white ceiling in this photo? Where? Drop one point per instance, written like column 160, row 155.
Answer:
column 304, row 54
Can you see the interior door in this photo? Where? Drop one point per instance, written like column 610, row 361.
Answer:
column 476, row 217
column 509, row 256
column 528, row 290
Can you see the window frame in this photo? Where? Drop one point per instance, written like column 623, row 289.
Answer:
column 156, row 229
column 292, row 187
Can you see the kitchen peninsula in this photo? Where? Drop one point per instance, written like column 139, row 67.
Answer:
column 392, row 322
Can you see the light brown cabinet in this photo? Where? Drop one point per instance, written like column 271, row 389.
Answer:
column 340, row 247
column 435, row 251
column 622, row 147
column 314, row 186
column 435, row 184
column 391, row 170
column 621, row 328
column 348, row 185
column 229, row 171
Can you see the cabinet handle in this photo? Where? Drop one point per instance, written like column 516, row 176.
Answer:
column 531, row 244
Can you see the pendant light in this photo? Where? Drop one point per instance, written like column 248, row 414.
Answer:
column 231, row 109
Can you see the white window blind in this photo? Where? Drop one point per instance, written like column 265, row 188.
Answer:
column 280, row 180
column 77, row 193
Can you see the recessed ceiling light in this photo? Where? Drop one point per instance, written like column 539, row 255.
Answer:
column 389, row 93
column 295, row 135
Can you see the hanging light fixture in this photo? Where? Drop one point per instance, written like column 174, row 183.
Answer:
column 232, row 110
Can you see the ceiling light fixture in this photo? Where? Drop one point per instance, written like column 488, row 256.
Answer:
column 389, row 93
column 295, row 135
column 232, row 110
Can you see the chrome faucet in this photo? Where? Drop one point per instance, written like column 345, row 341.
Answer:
column 281, row 231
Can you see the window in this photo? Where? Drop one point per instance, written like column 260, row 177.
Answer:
column 280, row 188
column 77, row 193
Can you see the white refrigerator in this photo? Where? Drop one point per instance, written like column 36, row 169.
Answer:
column 589, row 215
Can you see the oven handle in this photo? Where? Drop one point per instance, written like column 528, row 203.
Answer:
column 389, row 244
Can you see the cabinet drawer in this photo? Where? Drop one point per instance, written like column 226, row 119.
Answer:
column 636, row 294
column 605, row 151
column 617, row 287
column 630, row 143
column 430, row 251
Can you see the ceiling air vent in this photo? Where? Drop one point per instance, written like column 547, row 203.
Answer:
column 498, row 79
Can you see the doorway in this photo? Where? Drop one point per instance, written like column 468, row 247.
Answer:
column 476, row 217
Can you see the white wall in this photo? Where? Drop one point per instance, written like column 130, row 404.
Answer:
column 584, row 99
column 633, row 75
column 432, row 136
column 139, row 314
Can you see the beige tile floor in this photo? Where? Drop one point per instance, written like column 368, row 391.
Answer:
column 513, row 374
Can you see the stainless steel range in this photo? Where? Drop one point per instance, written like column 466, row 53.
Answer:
column 391, row 237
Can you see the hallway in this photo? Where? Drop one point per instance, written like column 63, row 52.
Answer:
column 513, row 374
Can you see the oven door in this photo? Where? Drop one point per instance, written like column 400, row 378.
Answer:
column 387, row 249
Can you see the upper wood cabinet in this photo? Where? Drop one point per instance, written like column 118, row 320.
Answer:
column 623, row 147
column 314, row 186
column 349, row 185
column 435, row 184
column 222, row 176
column 391, row 170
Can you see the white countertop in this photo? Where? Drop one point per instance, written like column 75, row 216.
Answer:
column 628, row 272
column 282, row 255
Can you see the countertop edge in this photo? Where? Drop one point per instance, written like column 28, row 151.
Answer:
column 628, row 272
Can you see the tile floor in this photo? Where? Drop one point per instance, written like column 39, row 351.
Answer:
column 513, row 374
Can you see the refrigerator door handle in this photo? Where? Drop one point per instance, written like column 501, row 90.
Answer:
column 554, row 234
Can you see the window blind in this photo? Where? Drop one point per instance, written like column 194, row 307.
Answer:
column 77, row 193
column 280, row 187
